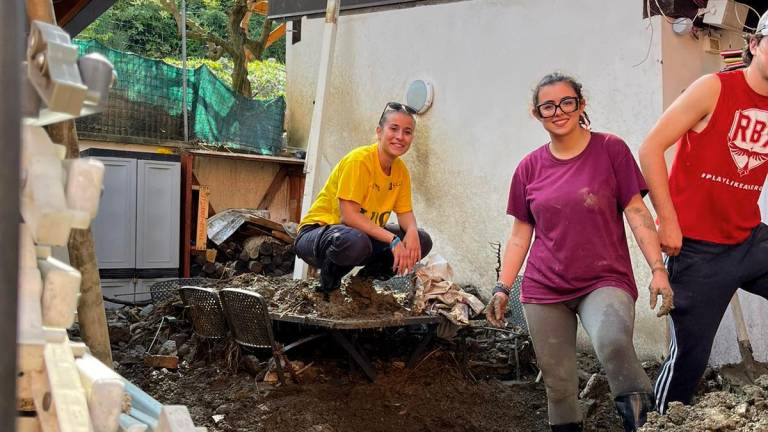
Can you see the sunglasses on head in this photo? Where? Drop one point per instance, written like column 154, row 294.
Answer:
column 396, row 106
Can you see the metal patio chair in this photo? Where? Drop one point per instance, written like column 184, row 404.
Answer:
column 248, row 317
column 205, row 311
column 168, row 289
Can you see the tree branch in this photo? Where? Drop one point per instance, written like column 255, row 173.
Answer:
column 195, row 30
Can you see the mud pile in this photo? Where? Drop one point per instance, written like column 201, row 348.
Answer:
column 743, row 408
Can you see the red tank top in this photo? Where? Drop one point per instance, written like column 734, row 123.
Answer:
column 717, row 175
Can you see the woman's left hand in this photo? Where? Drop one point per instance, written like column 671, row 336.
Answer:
column 660, row 287
column 413, row 246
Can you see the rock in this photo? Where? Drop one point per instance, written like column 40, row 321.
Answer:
column 596, row 387
column 168, row 348
column 119, row 332
column 677, row 413
column 184, row 350
column 741, row 409
column 147, row 310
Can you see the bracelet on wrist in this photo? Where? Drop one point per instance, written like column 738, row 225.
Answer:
column 394, row 242
column 655, row 269
column 501, row 288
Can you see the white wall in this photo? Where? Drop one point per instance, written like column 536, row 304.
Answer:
column 483, row 58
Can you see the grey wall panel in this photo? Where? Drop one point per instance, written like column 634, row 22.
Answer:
column 158, row 199
column 114, row 228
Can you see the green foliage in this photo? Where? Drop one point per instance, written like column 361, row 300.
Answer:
column 267, row 77
column 143, row 27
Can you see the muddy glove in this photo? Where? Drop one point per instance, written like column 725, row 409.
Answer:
column 497, row 307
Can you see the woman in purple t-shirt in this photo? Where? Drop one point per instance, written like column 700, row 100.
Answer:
column 573, row 192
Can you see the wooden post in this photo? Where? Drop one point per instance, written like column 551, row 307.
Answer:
column 82, row 253
column 321, row 92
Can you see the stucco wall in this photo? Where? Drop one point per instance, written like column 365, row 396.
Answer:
column 483, row 57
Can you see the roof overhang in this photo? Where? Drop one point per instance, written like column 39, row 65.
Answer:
column 291, row 9
column 75, row 15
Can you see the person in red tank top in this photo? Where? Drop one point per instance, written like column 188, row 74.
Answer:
column 708, row 214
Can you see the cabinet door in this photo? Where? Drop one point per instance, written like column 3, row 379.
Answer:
column 120, row 289
column 114, row 228
column 157, row 216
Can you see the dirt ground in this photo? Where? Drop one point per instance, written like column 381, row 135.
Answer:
column 482, row 380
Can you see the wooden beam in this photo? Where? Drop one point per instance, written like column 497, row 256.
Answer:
column 187, row 163
column 295, row 191
column 273, row 188
column 275, row 35
column 243, row 156
column 321, row 93
column 201, row 233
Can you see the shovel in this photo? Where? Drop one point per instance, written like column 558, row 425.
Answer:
column 748, row 369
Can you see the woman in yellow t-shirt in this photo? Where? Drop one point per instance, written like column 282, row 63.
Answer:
column 347, row 224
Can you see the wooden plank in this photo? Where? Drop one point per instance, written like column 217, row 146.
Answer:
column 187, row 175
column 275, row 35
column 277, row 182
column 201, row 233
column 316, row 126
column 28, row 424
column 295, row 191
column 243, row 156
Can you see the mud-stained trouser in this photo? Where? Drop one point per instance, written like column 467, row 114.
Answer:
column 337, row 249
column 704, row 277
column 608, row 316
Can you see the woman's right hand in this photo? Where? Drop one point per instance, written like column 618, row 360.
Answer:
column 403, row 262
column 496, row 309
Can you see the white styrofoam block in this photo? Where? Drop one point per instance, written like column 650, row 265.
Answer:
column 61, row 285
column 104, row 391
column 43, row 203
column 84, row 181
column 27, row 250
column 30, row 322
column 43, row 252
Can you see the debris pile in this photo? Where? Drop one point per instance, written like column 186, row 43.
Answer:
column 245, row 241
column 743, row 408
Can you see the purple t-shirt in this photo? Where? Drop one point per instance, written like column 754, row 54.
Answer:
column 576, row 208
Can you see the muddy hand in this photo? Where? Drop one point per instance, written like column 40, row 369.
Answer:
column 496, row 309
column 660, row 287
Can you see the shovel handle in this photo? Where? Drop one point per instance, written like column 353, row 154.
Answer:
column 738, row 318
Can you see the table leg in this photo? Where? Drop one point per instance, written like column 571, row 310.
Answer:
column 356, row 355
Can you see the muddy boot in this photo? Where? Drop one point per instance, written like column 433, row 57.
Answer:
column 633, row 409
column 330, row 277
column 566, row 427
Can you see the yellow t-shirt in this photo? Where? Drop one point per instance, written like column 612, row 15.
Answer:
column 358, row 177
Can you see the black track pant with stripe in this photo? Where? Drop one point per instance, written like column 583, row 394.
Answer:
column 704, row 277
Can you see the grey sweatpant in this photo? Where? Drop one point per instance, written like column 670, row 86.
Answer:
column 608, row 316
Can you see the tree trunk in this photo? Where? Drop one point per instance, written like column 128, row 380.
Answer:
column 82, row 256
column 238, row 38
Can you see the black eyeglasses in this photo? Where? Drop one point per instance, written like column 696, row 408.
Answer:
column 567, row 105
column 396, row 106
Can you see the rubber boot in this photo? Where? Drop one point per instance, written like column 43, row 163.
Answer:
column 633, row 409
column 330, row 277
column 566, row 427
